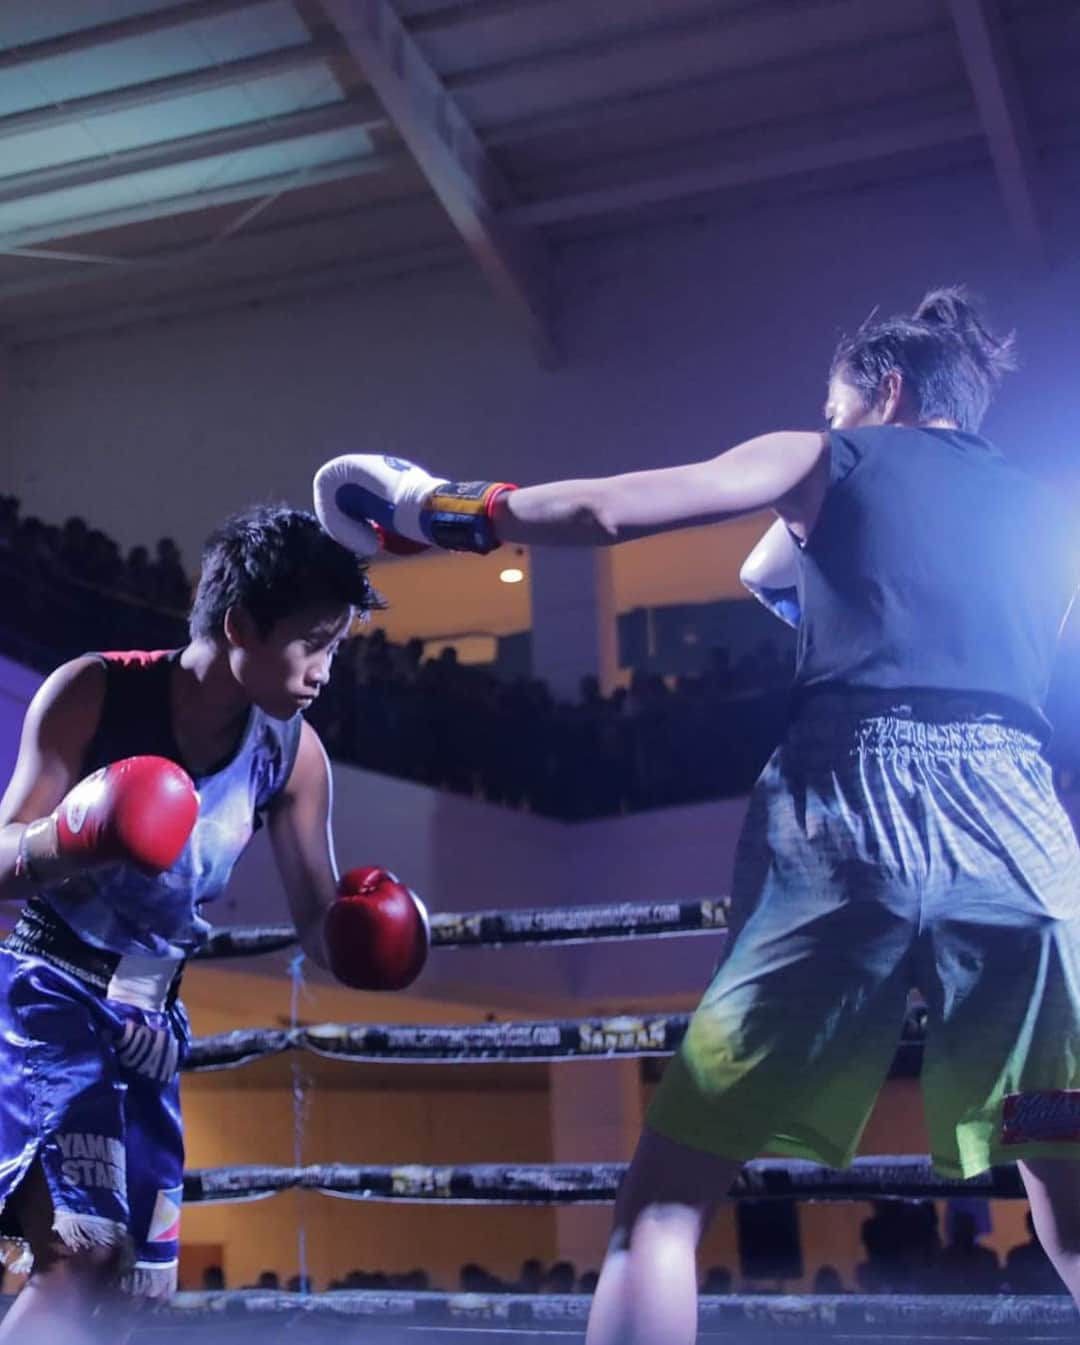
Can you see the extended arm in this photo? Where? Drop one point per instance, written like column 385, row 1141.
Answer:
column 770, row 471
column 784, row 471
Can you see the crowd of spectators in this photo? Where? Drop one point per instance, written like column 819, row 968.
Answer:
column 561, row 1277
column 438, row 721
column 71, row 588
column 86, row 555
column 904, row 1254
column 458, row 727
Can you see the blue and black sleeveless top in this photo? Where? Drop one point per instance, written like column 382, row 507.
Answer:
column 118, row 907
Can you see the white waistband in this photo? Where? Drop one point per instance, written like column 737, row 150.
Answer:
column 142, row 981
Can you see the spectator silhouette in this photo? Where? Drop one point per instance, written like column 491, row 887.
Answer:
column 560, row 1278
column 828, row 1281
column 531, row 1276
column 213, row 1279
column 885, row 1270
column 965, row 1267
column 1028, row 1269
column 923, row 1244
column 717, row 1280
column 474, row 1279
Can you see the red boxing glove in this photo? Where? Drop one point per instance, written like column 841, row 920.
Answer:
column 376, row 933
column 137, row 811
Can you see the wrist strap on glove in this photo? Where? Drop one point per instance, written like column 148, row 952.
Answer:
column 457, row 515
column 38, row 853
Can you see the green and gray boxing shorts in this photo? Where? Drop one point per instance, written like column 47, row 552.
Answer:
column 880, row 854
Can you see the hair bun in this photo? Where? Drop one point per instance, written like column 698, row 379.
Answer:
column 951, row 307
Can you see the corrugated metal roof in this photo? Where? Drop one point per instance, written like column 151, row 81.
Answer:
column 149, row 134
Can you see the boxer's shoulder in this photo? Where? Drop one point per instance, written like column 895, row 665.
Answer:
column 72, row 694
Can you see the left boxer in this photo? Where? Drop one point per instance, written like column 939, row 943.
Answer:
column 139, row 781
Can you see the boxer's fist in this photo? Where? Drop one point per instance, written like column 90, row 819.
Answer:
column 138, row 811
column 771, row 573
column 356, row 516
column 363, row 497
column 376, row 933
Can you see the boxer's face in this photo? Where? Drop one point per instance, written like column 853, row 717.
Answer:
column 284, row 670
column 845, row 408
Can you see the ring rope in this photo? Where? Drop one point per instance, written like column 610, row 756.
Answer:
column 625, row 1035
column 887, row 1314
column 493, row 929
column 877, row 1177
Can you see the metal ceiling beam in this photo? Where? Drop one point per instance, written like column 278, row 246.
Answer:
column 285, row 284
column 767, row 167
column 452, row 158
column 997, row 96
column 465, row 12
column 190, row 149
column 740, row 37
column 138, row 25
column 740, row 87
column 353, row 166
column 691, row 18
column 64, row 255
column 129, row 96
column 291, row 237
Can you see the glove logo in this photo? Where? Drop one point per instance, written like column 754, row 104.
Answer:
column 81, row 800
column 396, row 464
column 76, row 815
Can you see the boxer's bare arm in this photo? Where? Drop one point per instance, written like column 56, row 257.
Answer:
column 59, row 725
column 787, row 472
column 299, row 822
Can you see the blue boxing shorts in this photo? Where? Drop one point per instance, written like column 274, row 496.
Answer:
column 89, row 1087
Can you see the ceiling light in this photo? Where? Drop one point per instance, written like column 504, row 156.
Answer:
column 512, row 575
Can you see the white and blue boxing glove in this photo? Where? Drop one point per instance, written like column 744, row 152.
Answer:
column 365, row 501
column 771, row 573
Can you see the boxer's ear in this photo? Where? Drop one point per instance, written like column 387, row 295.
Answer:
column 239, row 627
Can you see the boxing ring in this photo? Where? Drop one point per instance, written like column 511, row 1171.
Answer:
column 414, row 1317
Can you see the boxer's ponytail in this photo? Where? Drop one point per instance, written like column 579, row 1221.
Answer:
column 948, row 357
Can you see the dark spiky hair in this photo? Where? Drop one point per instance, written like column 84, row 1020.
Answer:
column 949, row 359
column 273, row 561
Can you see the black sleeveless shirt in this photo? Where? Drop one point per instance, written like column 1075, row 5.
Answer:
column 125, row 911
column 935, row 565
